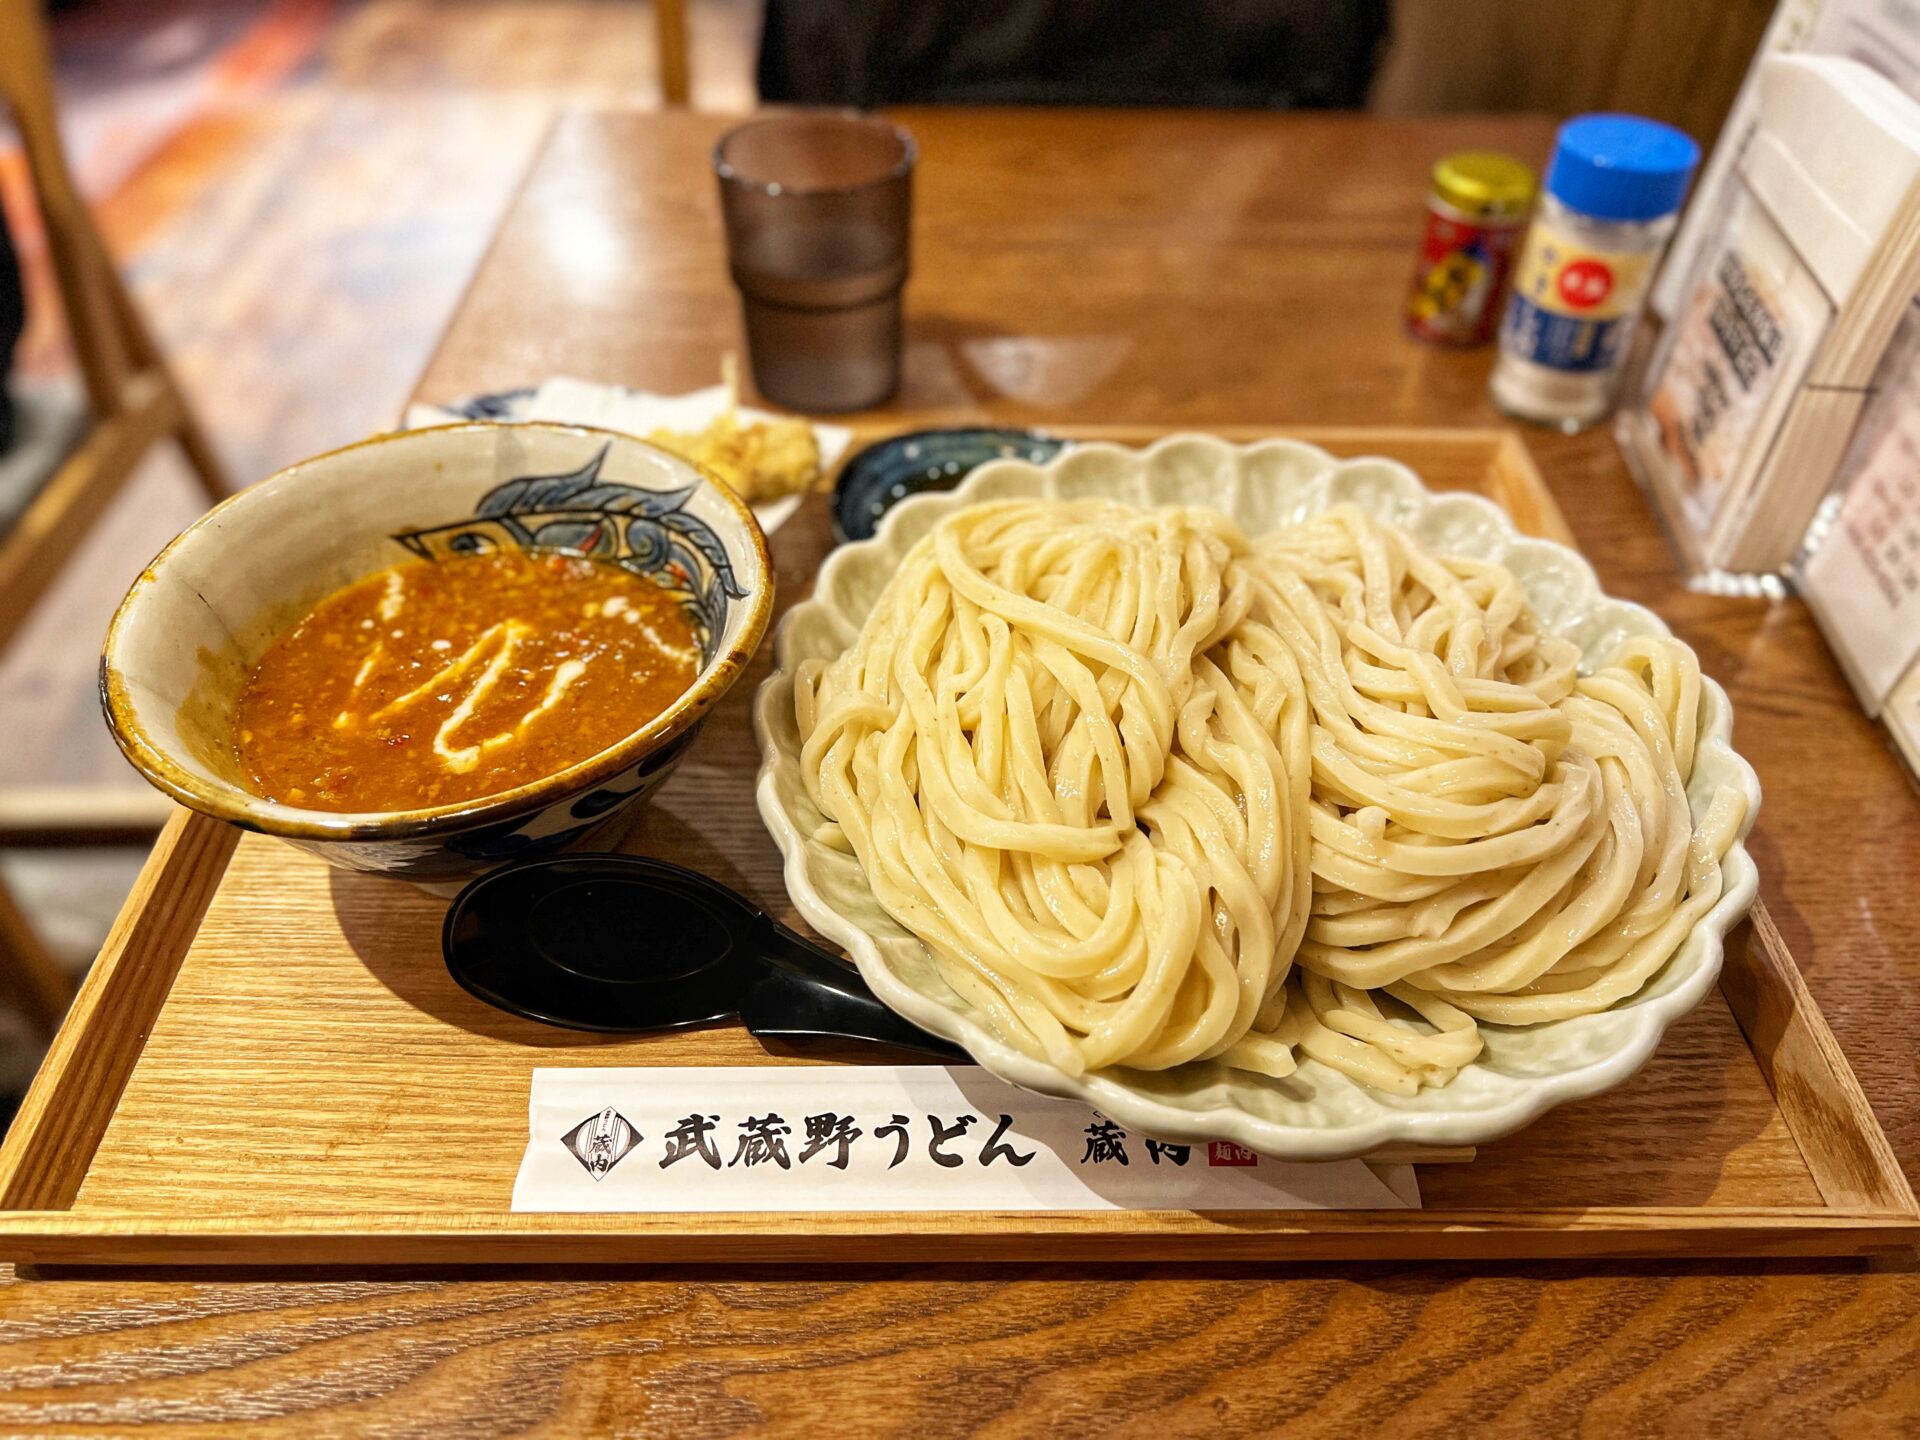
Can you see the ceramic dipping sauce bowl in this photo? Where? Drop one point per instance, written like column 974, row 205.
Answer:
column 180, row 645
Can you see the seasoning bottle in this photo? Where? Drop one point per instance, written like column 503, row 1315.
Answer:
column 1612, row 195
column 1476, row 212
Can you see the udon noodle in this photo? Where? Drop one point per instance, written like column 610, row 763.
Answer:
column 1153, row 792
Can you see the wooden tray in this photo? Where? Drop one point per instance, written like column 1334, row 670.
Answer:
column 270, row 1066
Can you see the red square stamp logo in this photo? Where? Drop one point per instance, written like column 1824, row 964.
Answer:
column 1225, row 1152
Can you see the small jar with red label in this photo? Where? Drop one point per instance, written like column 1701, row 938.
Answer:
column 1475, row 216
column 1612, row 195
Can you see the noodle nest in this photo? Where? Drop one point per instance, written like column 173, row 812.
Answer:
column 1153, row 791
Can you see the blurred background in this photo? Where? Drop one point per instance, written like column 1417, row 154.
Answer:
column 297, row 191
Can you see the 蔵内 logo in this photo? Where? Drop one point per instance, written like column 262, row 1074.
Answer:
column 1225, row 1152
column 600, row 1141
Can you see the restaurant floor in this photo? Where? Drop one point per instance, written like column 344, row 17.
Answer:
column 298, row 191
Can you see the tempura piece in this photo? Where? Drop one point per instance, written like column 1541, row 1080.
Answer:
column 761, row 460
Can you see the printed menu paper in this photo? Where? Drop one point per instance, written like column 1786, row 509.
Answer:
column 1864, row 581
column 872, row 1138
column 1727, row 369
column 1902, row 716
column 1727, row 358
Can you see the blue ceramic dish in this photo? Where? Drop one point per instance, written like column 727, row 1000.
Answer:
column 887, row 472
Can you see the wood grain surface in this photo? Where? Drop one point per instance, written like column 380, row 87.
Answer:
column 1144, row 268
column 1677, row 63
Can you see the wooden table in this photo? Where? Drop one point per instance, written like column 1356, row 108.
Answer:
column 1100, row 267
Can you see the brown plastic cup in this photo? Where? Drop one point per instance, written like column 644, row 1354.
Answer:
column 817, row 207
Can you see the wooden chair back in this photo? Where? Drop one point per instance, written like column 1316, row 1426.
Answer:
column 88, row 284
column 670, row 21
column 134, row 402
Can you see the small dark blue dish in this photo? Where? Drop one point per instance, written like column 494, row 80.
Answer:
column 886, row 472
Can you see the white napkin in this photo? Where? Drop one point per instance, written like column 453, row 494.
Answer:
column 916, row 1137
column 635, row 412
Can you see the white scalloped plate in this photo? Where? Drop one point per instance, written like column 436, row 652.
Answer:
column 1317, row 1113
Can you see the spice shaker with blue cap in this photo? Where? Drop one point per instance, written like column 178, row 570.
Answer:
column 1612, row 194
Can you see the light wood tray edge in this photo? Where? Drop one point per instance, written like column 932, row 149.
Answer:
column 54, row 1136
column 1870, row 1207
column 107, row 1238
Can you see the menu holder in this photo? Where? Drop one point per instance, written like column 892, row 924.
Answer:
column 269, row 1066
column 1860, row 574
column 1809, row 258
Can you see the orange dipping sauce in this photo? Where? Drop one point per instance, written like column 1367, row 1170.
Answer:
column 437, row 682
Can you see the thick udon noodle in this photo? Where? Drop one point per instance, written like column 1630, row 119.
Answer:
column 1152, row 792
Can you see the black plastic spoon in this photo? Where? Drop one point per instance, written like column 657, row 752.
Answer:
column 626, row 945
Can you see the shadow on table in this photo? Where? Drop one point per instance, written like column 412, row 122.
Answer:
column 395, row 931
column 1695, row 1127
